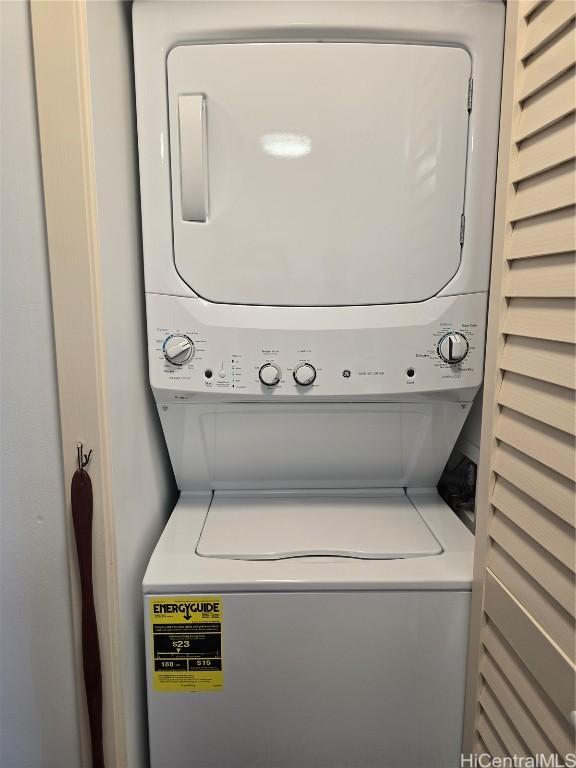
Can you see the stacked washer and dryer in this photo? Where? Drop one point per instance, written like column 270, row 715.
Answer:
column 317, row 183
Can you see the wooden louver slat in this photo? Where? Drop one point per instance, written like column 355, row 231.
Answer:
column 545, row 24
column 547, row 445
column 553, row 361
column 530, row 6
column 543, row 277
column 548, row 191
column 548, row 105
column 540, row 400
column 545, row 569
column 543, row 235
column 548, row 65
column 541, row 319
column 552, row 533
column 546, row 149
column 551, row 489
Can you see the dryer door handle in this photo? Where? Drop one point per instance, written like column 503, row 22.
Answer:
column 193, row 167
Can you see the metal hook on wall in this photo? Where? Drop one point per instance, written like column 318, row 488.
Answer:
column 83, row 458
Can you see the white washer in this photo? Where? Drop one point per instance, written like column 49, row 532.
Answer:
column 326, row 661
column 317, row 185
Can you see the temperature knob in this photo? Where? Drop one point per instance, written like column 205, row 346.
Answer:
column 453, row 348
column 178, row 349
column 269, row 375
column 305, row 374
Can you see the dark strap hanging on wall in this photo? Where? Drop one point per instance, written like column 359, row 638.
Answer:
column 81, row 493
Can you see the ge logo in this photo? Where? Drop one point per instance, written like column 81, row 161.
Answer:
column 346, row 373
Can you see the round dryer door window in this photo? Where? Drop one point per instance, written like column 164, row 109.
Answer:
column 307, row 174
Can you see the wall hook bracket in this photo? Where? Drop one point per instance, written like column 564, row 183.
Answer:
column 83, row 458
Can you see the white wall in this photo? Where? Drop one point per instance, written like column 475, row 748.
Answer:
column 143, row 489
column 38, row 714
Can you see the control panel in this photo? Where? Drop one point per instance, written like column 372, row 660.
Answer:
column 432, row 346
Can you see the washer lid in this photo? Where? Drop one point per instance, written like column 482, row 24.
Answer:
column 383, row 526
column 314, row 174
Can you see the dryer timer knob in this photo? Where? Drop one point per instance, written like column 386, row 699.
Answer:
column 178, row 349
column 453, row 348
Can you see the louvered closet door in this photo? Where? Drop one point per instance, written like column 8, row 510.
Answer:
column 521, row 681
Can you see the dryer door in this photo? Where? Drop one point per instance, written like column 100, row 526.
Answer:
column 308, row 174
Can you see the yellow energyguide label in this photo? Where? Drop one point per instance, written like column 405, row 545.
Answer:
column 186, row 642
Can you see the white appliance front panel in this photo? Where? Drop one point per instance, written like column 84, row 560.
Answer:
column 323, row 680
column 310, row 444
column 272, row 526
column 308, row 174
column 355, row 352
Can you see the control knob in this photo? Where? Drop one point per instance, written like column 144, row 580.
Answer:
column 178, row 349
column 453, row 348
column 305, row 375
column 269, row 374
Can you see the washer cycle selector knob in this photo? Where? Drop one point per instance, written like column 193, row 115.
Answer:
column 453, row 348
column 269, row 374
column 178, row 349
column 305, row 374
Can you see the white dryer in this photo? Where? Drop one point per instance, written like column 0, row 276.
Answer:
column 317, row 183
